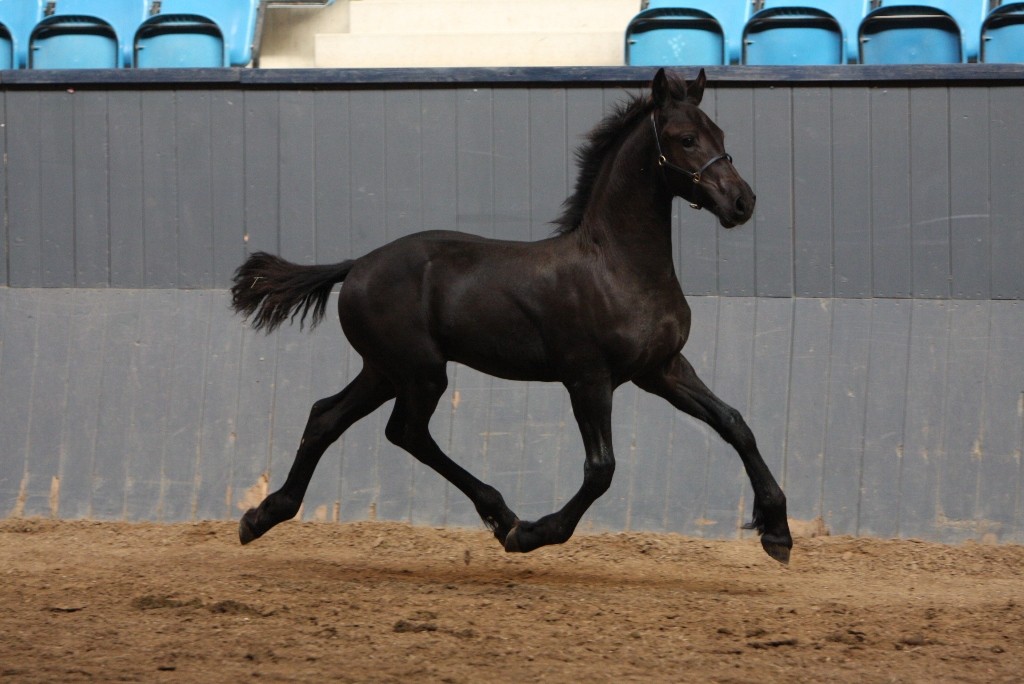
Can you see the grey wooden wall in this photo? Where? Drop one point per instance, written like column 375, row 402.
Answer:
column 868, row 322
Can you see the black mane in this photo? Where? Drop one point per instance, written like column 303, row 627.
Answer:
column 590, row 155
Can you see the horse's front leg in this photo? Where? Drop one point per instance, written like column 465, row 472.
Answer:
column 592, row 406
column 678, row 383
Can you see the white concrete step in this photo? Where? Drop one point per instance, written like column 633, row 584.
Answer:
column 489, row 16
column 594, row 48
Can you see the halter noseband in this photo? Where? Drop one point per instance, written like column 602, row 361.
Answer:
column 695, row 176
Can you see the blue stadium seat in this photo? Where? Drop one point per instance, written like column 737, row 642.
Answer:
column 17, row 19
column 198, row 33
column 922, row 31
column 179, row 40
column 85, row 34
column 681, row 32
column 1002, row 34
column 804, row 32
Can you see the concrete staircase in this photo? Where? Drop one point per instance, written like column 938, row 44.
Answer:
column 448, row 33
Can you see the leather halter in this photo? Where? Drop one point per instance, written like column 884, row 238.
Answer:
column 695, row 176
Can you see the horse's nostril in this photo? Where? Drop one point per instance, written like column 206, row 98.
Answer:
column 741, row 205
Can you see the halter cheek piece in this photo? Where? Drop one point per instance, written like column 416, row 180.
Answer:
column 695, row 176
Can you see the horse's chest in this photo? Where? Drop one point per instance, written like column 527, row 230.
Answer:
column 652, row 328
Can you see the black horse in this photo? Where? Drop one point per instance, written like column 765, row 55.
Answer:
column 596, row 305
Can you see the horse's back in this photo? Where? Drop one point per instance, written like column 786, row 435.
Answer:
column 443, row 295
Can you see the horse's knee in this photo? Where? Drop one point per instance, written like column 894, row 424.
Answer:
column 598, row 474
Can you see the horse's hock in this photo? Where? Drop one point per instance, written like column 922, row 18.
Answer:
column 866, row 322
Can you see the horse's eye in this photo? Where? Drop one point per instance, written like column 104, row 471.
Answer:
column 689, row 141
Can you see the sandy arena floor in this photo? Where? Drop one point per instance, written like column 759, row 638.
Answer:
column 386, row 602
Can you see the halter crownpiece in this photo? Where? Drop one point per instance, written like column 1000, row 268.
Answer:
column 695, row 176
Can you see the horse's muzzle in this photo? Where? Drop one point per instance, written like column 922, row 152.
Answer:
column 737, row 207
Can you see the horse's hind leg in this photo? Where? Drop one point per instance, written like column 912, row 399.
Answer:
column 592, row 406
column 328, row 419
column 408, row 429
column 678, row 383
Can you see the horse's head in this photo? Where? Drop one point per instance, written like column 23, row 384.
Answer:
column 690, row 149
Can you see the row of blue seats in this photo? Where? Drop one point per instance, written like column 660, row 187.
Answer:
column 98, row 34
column 806, row 32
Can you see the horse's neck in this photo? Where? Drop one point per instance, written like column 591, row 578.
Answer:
column 629, row 211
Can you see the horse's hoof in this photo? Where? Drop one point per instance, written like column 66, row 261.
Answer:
column 247, row 527
column 777, row 548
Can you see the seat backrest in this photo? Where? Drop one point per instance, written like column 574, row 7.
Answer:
column 236, row 20
column 179, row 41
column 1002, row 34
column 793, row 36
column 910, row 34
column 968, row 15
column 19, row 17
column 121, row 16
column 674, row 37
column 848, row 13
column 731, row 15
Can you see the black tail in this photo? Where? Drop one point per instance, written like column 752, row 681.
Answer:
column 271, row 290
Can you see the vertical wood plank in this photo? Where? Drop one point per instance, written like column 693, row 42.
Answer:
column 851, row 192
column 812, row 192
column 808, row 403
column 17, row 368
column 195, row 184
column 402, row 163
column 23, row 189
column 963, row 438
column 511, row 164
column 262, row 128
column 48, row 402
column 160, row 188
column 332, row 177
column 1007, row 146
column 297, row 160
column 150, row 358
column 228, row 182
column 1002, row 427
column 549, row 159
column 474, row 175
column 884, row 419
column 218, row 434
column 91, row 190
column 929, row 191
column 772, row 159
column 56, row 174
column 969, row 204
column 891, row 242
column 79, row 427
column 847, row 406
column 127, row 204
column 117, row 404
column 367, row 146
column 439, row 163
column 923, row 432
column 184, row 400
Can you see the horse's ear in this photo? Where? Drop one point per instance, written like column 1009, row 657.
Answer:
column 661, row 90
column 695, row 89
